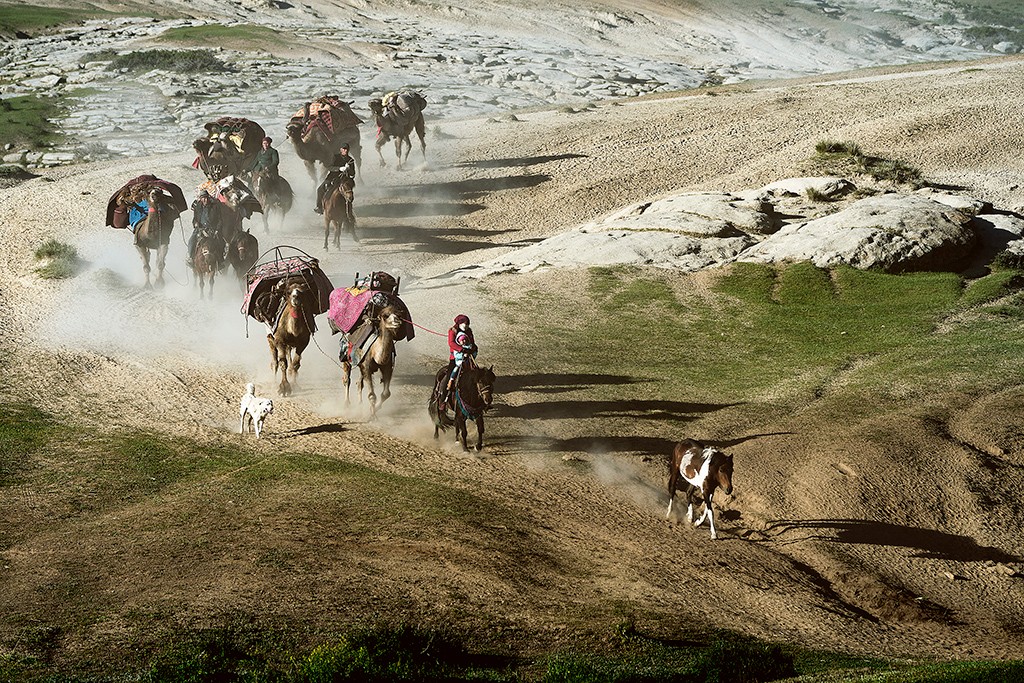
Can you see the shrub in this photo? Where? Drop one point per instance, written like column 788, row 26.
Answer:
column 383, row 653
column 895, row 171
column 184, row 61
column 61, row 260
column 835, row 147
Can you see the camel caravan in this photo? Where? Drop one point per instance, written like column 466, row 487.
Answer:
column 286, row 289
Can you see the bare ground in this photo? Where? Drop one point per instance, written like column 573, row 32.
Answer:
column 826, row 543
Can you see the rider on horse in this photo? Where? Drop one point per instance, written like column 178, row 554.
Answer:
column 461, row 345
column 205, row 216
column 267, row 159
column 342, row 167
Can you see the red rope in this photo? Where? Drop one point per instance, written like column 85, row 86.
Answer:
column 425, row 329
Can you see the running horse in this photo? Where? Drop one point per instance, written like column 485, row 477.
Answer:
column 153, row 233
column 380, row 355
column 293, row 330
column 704, row 469
column 472, row 396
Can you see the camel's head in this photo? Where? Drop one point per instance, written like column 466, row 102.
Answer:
column 390, row 319
column 297, row 294
column 294, row 131
column 376, row 107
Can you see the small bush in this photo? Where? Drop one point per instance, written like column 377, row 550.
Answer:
column 184, row 61
column 835, row 147
column 895, row 171
column 816, row 196
column 383, row 653
column 61, row 260
column 1008, row 260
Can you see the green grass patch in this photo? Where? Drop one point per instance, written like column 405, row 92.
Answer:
column 238, row 36
column 841, row 157
column 182, row 61
column 991, row 287
column 32, row 19
column 26, row 121
column 60, row 260
column 24, row 432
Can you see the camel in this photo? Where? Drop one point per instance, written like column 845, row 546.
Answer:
column 292, row 333
column 274, row 194
column 207, row 258
column 154, row 233
column 315, row 141
column 243, row 250
column 379, row 356
column 398, row 121
column 338, row 210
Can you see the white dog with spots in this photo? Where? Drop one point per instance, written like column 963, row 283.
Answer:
column 254, row 410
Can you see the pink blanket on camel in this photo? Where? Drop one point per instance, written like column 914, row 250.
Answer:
column 347, row 306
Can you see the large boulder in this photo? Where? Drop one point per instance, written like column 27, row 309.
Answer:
column 894, row 233
column 699, row 214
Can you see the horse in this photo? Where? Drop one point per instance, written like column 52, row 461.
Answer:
column 338, row 210
column 292, row 333
column 154, row 233
column 398, row 122
column 274, row 194
column 379, row 356
column 704, row 469
column 243, row 250
column 472, row 396
column 207, row 258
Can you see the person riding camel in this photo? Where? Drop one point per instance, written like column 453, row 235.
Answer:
column 342, row 166
column 204, row 215
column 267, row 159
column 461, row 345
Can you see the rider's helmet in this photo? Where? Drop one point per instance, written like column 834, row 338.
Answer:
column 461, row 318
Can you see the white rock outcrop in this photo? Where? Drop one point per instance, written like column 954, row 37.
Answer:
column 894, row 233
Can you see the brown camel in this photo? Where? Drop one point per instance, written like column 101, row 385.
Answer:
column 274, row 194
column 316, row 140
column 338, row 210
column 293, row 331
column 207, row 259
column 154, row 234
column 398, row 120
column 379, row 356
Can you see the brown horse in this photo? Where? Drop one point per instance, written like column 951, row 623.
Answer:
column 243, row 250
column 704, row 469
column 338, row 210
column 153, row 233
column 293, row 331
column 398, row 121
column 207, row 258
column 379, row 356
column 274, row 194
column 472, row 396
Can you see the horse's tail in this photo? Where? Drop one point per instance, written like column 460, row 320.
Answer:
column 439, row 417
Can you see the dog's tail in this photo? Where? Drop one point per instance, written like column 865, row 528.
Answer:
column 250, row 389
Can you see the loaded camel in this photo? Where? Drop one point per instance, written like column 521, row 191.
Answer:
column 379, row 356
column 292, row 331
column 398, row 118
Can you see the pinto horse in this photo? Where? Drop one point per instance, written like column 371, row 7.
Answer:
column 704, row 469
column 472, row 395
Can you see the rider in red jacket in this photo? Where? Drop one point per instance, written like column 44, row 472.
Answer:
column 460, row 346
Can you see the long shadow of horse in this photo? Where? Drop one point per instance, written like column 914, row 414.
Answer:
column 644, row 410
column 329, row 428
column 931, row 544
column 545, row 382
column 477, row 187
column 412, row 208
column 589, row 444
column 430, row 240
column 517, row 161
